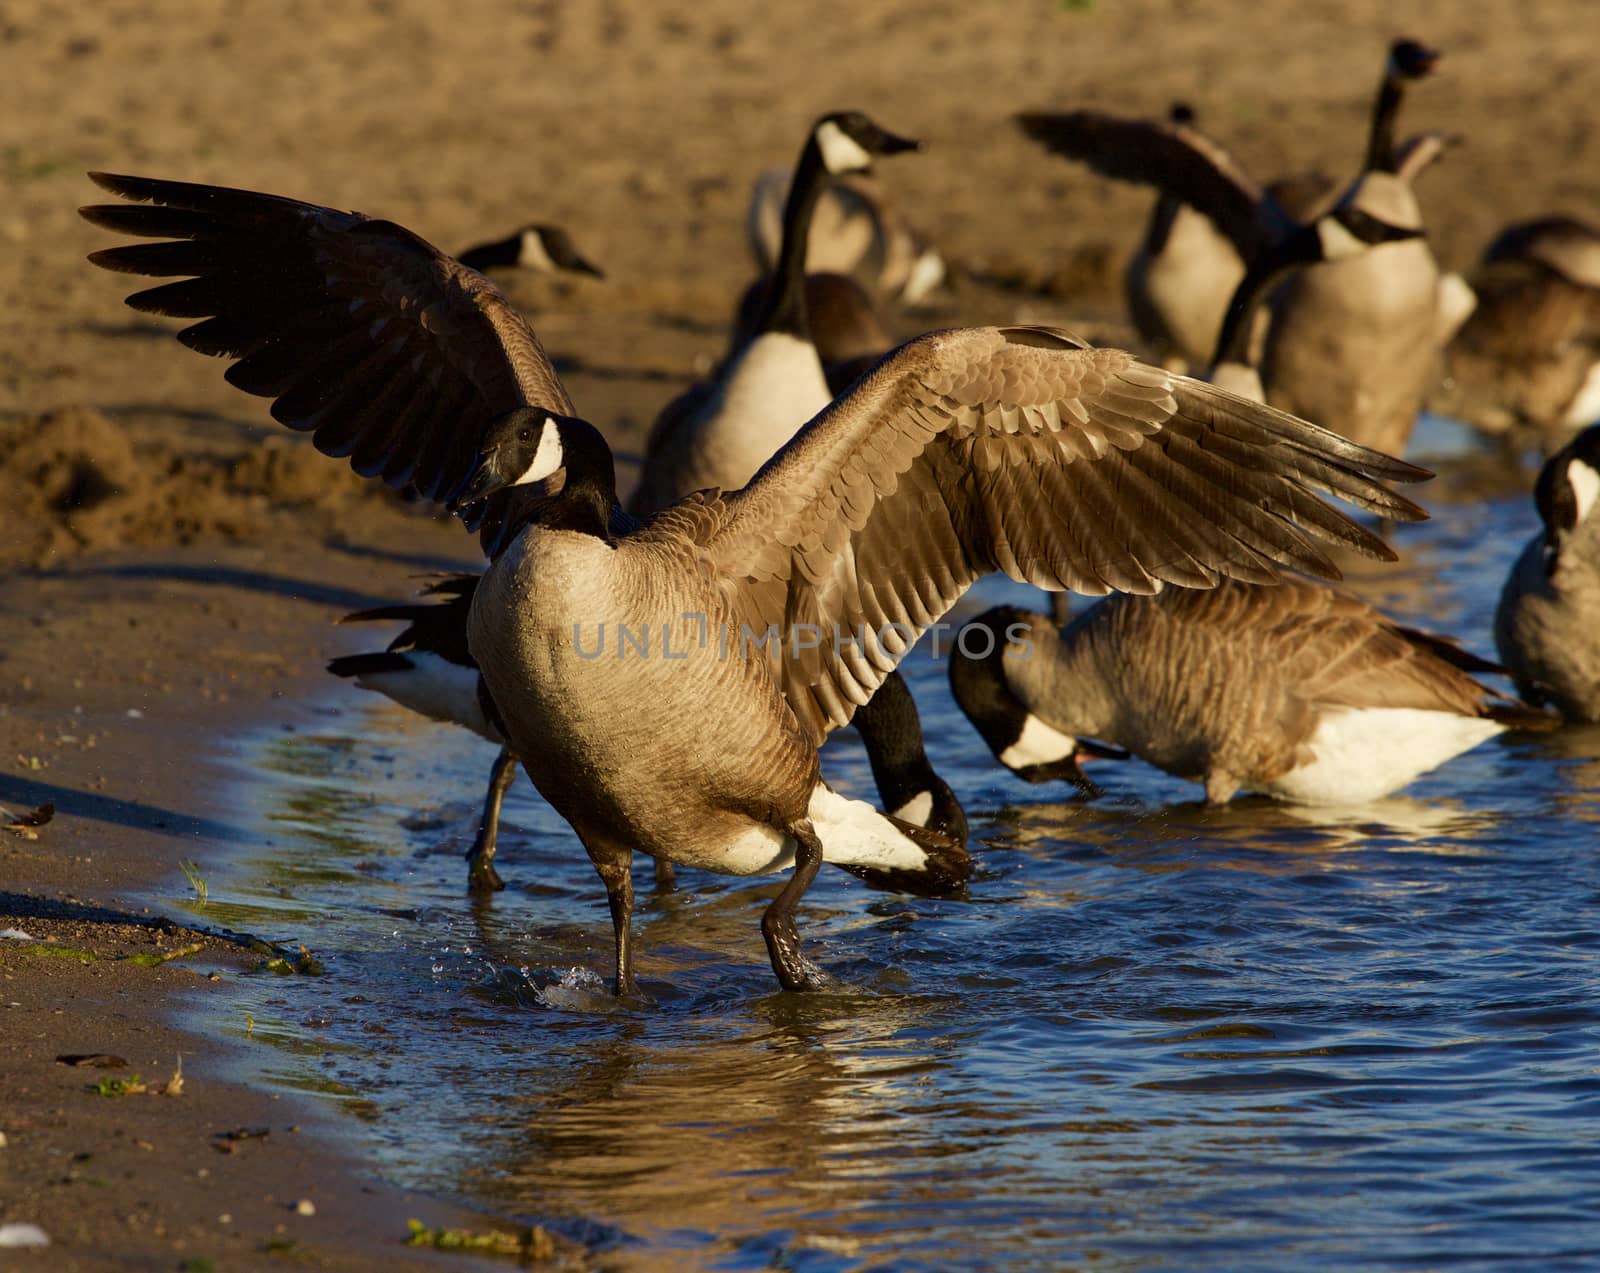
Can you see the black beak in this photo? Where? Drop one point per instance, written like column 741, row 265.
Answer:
column 1070, row 768
column 578, row 265
column 486, row 479
column 892, row 144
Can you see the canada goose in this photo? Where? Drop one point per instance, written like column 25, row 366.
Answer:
column 429, row 669
column 1178, row 282
column 856, row 230
column 719, row 432
column 840, row 319
column 1293, row 691
column 1018, row 449
column 1547, row 625
column 545, row 248
column 1352, row 343
column 1529, row 356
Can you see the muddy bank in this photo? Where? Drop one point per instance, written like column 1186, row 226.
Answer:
column 175, row 563
column 124, row 676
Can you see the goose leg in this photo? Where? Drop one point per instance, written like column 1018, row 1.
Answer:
column 481, row 875
column 616, row 872
column 666, row 877
column 794, row 970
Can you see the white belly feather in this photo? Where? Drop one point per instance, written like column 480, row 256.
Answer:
column 1365, row 753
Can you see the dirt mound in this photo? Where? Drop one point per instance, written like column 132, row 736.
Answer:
column 72, row 479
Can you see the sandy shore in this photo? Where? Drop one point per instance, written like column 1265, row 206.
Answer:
column 175, row 566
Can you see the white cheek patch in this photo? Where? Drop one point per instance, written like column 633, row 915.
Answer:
column 546, row 460
column 1585, row 408
column 917, row 809
column 1585, row 483
column 1338, row 244
column 840, row 151
column 533, row 255
column 1039, row 744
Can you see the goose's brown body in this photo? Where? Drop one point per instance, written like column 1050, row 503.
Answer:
column 615, row 696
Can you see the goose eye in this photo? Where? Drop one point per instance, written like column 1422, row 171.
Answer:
column 524, row 434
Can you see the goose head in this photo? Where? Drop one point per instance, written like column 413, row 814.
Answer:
column 848, row 141
column 1567, row 490
column 1566, row 246
column 1410, row 60
column 1034, row 751
column 549, row 249
column 522, row 447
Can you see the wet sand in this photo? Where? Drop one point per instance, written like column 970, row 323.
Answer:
column 170, row 555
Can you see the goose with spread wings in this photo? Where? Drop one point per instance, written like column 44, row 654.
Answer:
column 667, row 683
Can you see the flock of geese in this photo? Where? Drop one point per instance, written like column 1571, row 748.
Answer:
column 666, row 671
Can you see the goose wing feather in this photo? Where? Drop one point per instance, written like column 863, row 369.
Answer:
column 1178, row 159
column 1025, row 451
column 367, row 337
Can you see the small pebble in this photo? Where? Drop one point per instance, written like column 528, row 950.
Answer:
column 305, row 1207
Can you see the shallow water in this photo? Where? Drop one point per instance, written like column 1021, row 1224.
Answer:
column 1155, row 1036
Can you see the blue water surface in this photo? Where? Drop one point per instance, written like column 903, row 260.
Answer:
column 1155, row 1036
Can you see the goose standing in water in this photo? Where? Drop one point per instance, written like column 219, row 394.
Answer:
column 1353, row 343
column 428, row 667
column 1547, row 626
column 615, row 653
column 1293, row 691
column 1528, row 358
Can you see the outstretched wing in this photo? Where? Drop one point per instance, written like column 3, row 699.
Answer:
column 1025, row 451
column 367, row 337
column 1177, row 159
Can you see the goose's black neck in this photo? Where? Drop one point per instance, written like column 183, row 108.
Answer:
column 1160, row 227
column 486, row 256
column 1301, row 247
column 588, row 495
column 1380, row 141
column 784, row 307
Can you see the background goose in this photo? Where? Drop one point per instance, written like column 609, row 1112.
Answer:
column 1014, row 449
column 1346, row 230
column 1529, row 355
column 856, row 230
column 719, row 432
column 1353, row 344
column 1547, row 626
column 1295, row 691
column 429, row 669
column 1177, row 284
column 546, row 248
